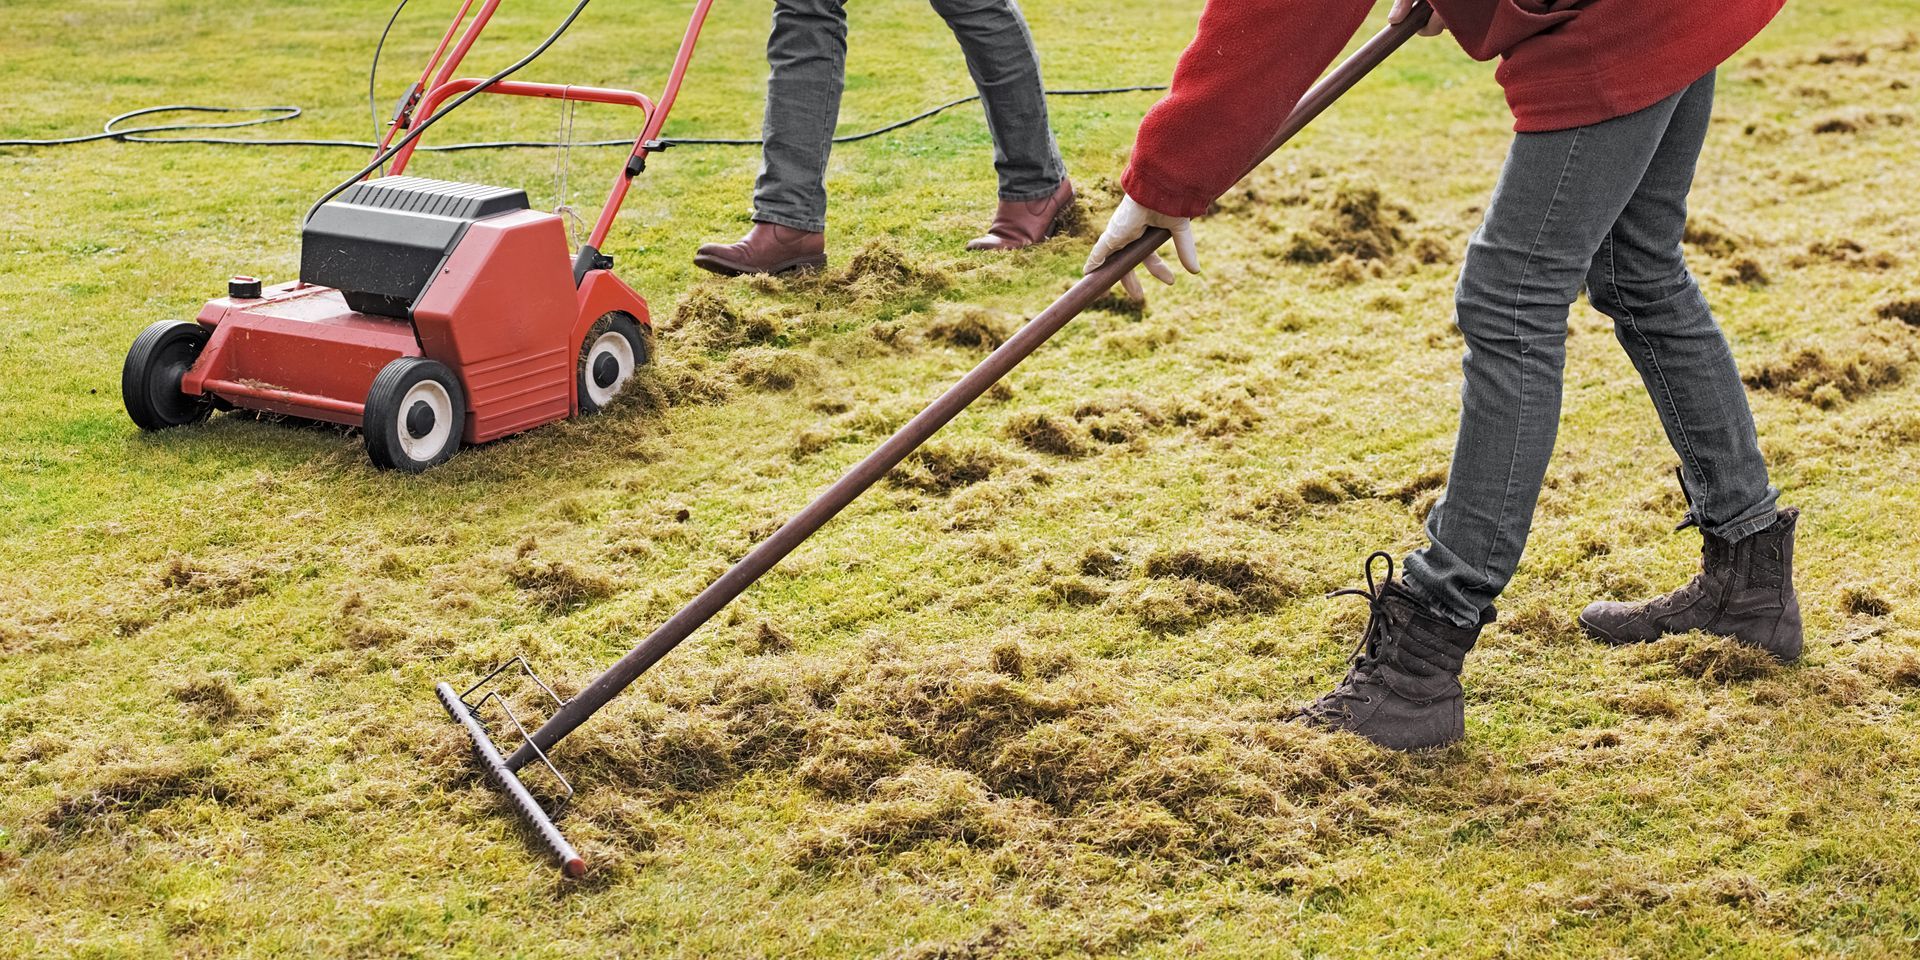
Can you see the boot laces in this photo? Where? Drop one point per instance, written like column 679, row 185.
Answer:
column 1714, row 552
column 1366, row 653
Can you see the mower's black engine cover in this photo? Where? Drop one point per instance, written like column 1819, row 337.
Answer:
column 381, row 241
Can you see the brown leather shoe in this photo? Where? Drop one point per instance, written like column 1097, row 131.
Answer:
column 1023, row 223
column 767, row 248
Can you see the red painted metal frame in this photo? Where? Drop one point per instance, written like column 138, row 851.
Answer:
column 445, row 86
column 505, row 312
column 405, row 117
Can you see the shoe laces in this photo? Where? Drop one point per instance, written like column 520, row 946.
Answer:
column 1366, row 653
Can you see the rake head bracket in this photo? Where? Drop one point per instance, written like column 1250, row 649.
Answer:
column 495, row 766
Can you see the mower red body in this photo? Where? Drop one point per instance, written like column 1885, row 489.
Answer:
column 503, row 313
column 490, row 296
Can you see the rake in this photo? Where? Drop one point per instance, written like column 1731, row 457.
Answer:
column 570, row 714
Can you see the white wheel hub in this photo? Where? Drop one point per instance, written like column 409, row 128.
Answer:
column 611, row 346
column 424, row 421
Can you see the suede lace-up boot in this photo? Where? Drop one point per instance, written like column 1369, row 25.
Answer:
column 1402, row 689
column 768, row 248
column 1023, row 223
column 1744, row 590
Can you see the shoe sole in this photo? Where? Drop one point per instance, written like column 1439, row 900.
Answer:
column 1601, row 636
column 728, row 268
column 1598, row 635
column 1053, row 230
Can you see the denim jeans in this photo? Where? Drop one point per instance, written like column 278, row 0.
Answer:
column 808, row 53
column 1604, row 207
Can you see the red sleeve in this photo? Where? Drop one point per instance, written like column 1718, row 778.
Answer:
column 1241, row 76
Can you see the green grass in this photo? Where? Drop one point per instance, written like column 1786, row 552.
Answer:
column 1032, row 715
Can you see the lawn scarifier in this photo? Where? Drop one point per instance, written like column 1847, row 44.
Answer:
column 750, row 568
column 427, row 312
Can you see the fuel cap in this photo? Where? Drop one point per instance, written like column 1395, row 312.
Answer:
column 244, row 288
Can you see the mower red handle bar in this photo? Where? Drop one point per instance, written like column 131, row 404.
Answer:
column 917, row 431
column 445, row 87
column 520, row 88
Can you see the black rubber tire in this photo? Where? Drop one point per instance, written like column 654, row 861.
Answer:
column 150, row 380
column 382, row 422
column 585, row 386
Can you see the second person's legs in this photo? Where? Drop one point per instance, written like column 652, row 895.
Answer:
column 1006, row 70
column 1034, row 191
column 807, row 54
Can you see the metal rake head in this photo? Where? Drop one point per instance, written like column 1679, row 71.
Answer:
column 495, row 765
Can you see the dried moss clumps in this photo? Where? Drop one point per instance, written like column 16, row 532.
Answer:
column 1103, row 562
column 771, row 370
column 1337, row 486
column 128, row 793
column 1415, row 486
column 1906, row 311
column 1745, row 271
column 1045, row 433
column 1355, row 222
column 1862, row 601
column 1891, row 666
column 1253, row 581
column 846, row 765
column 1830, row 375
column 940, row 469
column 1855, row 122
column 969, row 328
column 671, row 382
column 558, row 587
column 1120, row 419
column 767, row 639
column 708, row 318
column 212, row 696
column 1844, row 251
column 1710, row 659
column 882, row 269
column 1711, row 237
column 922, row 804
column 214, row 587
column 1189, row 586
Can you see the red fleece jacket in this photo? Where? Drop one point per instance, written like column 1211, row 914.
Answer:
column 1565, row 63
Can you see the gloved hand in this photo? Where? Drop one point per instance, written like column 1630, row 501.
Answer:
column 1129, row 221
column 1401, row 8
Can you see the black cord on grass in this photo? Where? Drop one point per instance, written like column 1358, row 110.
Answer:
column 112, row 130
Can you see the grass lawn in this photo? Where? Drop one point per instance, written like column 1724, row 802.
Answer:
column 1022, row 700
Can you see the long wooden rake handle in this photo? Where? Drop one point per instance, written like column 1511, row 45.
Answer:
column 917, row 431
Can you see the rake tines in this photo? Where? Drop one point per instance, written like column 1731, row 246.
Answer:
column 503, row 776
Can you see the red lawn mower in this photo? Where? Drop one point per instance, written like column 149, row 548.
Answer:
column 428, row 313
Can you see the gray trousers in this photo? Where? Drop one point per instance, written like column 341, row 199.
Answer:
column 808, row 53
column 1603, row 207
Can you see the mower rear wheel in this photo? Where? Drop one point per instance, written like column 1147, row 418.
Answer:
column 609, row 354
column 415, row 415
column 150, row 380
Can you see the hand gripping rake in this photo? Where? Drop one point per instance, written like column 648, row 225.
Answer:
column 572, row 713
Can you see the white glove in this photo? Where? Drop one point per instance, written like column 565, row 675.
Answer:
column 1129, row 221
column 1400, row 10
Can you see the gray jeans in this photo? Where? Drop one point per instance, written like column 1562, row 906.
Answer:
column 808, row 54
column 1603, row 207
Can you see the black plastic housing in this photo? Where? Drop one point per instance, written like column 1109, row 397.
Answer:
column 380, row 242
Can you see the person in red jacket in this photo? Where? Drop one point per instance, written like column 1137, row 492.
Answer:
column 1610, row 100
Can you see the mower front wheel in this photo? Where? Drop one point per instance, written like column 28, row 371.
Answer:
column 415, row 415
column 150, row 380
column 611, row 351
